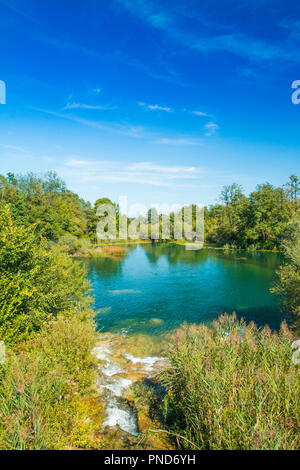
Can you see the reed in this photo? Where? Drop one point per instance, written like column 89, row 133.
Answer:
column 233, row 386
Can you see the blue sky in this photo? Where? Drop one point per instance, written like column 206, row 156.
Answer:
column 161, row 101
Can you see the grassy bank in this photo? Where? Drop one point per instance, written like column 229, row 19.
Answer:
column 47, row 381
column 47, row 389
column 233, row 386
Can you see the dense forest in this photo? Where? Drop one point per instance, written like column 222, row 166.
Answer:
column 237, row 221
column 48, row 390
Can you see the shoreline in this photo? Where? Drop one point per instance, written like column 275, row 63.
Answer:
column 95, row 253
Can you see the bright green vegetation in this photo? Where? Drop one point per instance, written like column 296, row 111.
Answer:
column 47, row 381
column 288, row 284
column 47, row 388
column 233, row 386
column 37, row 281
column 254, row 222
column 229, row 386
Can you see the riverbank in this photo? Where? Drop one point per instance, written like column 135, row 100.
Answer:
column 227, row 386
column 95, row 251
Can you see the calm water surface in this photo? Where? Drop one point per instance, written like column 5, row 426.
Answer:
column 156, row 288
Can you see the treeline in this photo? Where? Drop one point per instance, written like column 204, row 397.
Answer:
column 237, row 221
column 254, row 222
column 46, row 202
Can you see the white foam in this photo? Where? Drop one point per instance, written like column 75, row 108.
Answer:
column 118, row 386
column 111, row 368
column 126, row 419
column 102, row 352
column 148, row 361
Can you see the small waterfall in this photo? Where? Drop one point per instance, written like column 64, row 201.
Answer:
column 118, row 370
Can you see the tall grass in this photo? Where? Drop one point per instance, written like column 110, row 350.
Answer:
column 43, row 386
column 233, row 386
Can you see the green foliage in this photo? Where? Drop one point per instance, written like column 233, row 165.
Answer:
column 73, row 245
column 233, row 386
column 46, row 202
column 255, row 222
column 287, row 286
column 145, row 398
column 37, row 282
column 45, row 384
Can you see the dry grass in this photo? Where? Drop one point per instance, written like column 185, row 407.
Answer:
column 114, row 250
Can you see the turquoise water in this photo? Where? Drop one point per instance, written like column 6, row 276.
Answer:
column 156, row 288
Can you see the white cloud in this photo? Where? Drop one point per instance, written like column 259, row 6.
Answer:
column 145, row 173
column 176, row 141
column 155, row 107
column 127, row 129
column 211, row 128
column 88, row 106
column 160, row 108
column 148, row 166
column 200, row 113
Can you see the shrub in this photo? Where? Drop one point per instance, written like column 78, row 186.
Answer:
column 287, row 286
column 45, row 383
column 73, row 245
column 37, row 281
column 233, row 386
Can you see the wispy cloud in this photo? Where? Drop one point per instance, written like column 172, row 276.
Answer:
column 155, row 107
column 211, row 128
column 131, row 130
column 176, row 141
column 16, row 148
column 153, row 167
column 145, row 173
column 88, row 106
column 200, row 113
column 117, row 56
column 123, row 129
column 237, row 43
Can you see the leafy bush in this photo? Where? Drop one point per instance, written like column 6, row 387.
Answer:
column 287, row 286
column 73, row 245
column 233, row 386
column 44, row 385
column 37, row 282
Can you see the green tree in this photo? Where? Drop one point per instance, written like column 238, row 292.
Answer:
column 293, row 188
column 287, row 286
column 45, row 201
column 269, row 212
column 37, row 282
